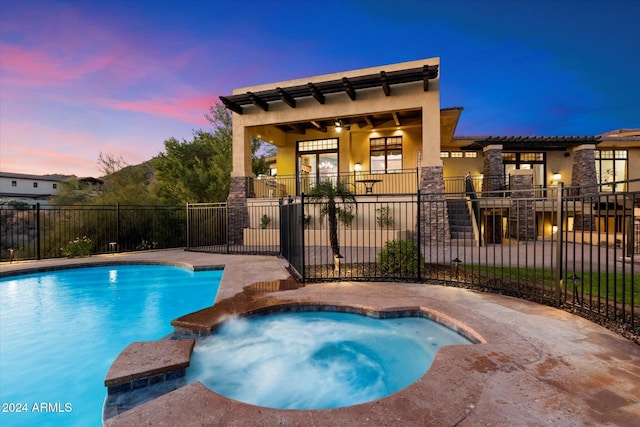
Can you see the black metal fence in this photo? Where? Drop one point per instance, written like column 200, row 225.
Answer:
column 45, row 231
column 550, row 246
column 571, row 247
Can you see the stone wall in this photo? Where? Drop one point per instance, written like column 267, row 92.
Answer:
column 585, row 181
column 492, row 171
column 522, row 213
column 434, row 217
column 240, row 189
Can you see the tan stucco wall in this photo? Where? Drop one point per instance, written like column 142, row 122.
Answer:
column 409, row 96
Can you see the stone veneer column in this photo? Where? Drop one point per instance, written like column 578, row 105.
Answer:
column 240, row 188
column 492, row 186
column 522, row 213
column 492, row 171
column 583, row 176
column 434, row 217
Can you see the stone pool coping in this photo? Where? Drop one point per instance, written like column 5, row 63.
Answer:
column 142, row 364
column 539, row 365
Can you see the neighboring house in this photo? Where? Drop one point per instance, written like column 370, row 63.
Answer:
column 382, row 130
column 31, row 189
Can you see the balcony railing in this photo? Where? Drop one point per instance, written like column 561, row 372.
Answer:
column 364, row 182
column 405, row 181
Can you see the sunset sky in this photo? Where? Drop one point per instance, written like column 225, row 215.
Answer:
column 121, row 76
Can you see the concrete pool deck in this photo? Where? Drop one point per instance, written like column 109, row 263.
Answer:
column 538, row 366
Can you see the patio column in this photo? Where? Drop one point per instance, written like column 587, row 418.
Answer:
column 434, row 215
column 583, row 176
column 522, row 212
column 241, row 185
column 492, row 171
column 493, row 186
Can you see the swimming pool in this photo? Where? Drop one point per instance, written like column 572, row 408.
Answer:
column 60, row 331
column 317, row 360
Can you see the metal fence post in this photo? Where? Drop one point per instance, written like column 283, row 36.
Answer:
column 38, row 231
column 419, row 232
column 303, row 246
column 188, row 228
column 559, row 247
column 118, row 242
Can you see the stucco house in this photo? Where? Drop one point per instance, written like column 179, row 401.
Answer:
column 383, row 131
column 28, row 188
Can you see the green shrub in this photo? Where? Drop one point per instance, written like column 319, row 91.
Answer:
column 78, row 248
column 265, row 221
column 345, row 216
column 384, row 217
column 400, row 257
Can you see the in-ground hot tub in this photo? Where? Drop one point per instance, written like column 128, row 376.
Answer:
column 316, row 357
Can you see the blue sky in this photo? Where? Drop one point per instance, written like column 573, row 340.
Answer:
column 120, row 77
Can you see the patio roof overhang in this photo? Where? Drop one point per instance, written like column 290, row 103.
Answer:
column 351, row 86
column 533, row 143
column 318, row 90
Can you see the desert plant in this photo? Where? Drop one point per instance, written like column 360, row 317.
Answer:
column 326, row 192
column 265, row 221
column 78, row 247
column 384, row 217
column 400, row 257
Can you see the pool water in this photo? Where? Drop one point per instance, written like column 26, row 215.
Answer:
column 316, row 360
column 60, row 332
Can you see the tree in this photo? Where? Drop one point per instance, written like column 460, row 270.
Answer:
column 194, row 171
column 120, row 183
column 260, row 151
column 72, row 192
column 327, row 193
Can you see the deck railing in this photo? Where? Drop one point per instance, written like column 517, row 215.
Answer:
column 403, row 181
column 38, row 232
column 578, row 252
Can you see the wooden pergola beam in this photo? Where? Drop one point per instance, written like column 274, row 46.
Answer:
column 425, row 77
column 231, row 105
column 298, row 128
column 396, row 119
column 315, row 92
column 370, row 121
column 320, row 126
column 258, row 102
column 385, row 83
column 348, row 87
column 286, row 98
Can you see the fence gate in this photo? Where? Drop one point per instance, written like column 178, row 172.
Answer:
column 292, row 236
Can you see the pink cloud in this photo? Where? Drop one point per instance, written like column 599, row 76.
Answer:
column 188, row 109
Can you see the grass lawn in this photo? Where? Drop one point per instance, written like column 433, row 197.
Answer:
column 613, row 286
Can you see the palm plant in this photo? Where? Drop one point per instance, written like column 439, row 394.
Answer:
column 327, row 193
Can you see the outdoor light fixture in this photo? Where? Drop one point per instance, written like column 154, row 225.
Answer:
column 556, row 176
column 338, row 126
column 357, row 167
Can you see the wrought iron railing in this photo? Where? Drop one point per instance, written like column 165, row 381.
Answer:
column 37, row 232
column 362, row 182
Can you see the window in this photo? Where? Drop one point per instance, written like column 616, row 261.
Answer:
column 535, row 161
column 457, row 154
column 55, row 185
column 35, row 185
column 611, row 166
column 14, row 183
column 317, row 161
column 386, row 154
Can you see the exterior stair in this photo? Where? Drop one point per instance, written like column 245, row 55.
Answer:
column 460, row 224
